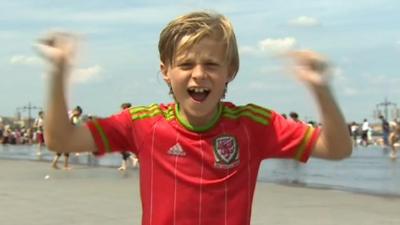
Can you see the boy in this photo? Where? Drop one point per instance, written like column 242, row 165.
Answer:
column 199, row 156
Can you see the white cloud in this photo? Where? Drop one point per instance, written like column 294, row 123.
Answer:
column 277, row 46
column 337, row 73
column 348, row 91
column 270, row 85
column 128, row 15
column 259, row 86
column 132, row 15
column 344, row 83
column 248, row 50
column 86, row 74
column 273, row 70
column 304, row 21
column 25, row 60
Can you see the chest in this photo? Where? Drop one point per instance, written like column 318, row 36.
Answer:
column 214, row 153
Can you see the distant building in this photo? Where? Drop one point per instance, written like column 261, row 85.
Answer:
column 13, row 122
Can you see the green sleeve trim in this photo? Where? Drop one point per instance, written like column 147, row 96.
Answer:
column 260, row 110
column 140, row 109
column 103, row 136
column 143, row 112
column 250, row 111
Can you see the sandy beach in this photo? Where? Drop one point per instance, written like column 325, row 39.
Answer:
column 33, row 193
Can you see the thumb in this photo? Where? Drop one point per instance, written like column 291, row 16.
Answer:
column 43, row 50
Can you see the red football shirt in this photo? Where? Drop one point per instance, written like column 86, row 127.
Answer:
column 201, row 175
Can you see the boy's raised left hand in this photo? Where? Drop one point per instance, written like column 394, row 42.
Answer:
column 310, row 67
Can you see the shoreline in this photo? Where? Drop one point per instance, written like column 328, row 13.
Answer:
column 281, row 183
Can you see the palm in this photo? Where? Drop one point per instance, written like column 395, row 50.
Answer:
column 58, row 48
column 310, row 67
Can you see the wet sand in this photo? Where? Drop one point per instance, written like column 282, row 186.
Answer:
column 33, row 193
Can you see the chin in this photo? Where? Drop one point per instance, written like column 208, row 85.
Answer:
column 199, row 110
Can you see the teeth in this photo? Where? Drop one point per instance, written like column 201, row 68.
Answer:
column 198, row 90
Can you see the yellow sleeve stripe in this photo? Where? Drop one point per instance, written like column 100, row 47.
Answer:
column 302, row 147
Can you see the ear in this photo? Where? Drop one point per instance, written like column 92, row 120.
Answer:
column 164, row 72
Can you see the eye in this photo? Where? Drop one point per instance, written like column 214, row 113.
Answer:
column 212, row 65
column 185, row 65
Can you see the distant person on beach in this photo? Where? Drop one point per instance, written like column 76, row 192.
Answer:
column 385, row 131
column 365, row 129
column 394, row 138
column 126, row 154
column 199, row 155
column 1, row 132
column 354, row 132
column 295, row 117
column 38, row 126
column 75, row 120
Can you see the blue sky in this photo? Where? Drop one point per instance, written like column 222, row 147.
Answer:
column 118, row 60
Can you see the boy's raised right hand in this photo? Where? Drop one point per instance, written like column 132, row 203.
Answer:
column 58, row 48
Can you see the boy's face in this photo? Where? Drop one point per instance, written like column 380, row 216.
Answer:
column 198, row 77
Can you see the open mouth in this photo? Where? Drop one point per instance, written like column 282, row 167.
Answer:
column 198, row 94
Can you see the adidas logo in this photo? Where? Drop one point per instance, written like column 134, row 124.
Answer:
column 176, row 150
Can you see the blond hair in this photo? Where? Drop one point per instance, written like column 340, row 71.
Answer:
column 195, row 26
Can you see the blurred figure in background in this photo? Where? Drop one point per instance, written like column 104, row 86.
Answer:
column 354, row 133
column 364, row 133
column 385, row 131
column 76, row 120
column 125, row 154
column 394, row 138
column 295, row 117
column 38, row 126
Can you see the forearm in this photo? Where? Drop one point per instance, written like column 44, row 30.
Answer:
column 60, row 135
column 335, row 139
column 57, row 125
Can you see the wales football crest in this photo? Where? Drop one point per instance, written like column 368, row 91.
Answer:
column 226, row 152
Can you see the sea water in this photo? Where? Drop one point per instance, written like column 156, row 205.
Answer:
column 368, row 170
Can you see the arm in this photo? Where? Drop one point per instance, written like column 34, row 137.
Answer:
column 60, row 135
column 334, row 141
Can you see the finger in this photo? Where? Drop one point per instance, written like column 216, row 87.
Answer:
column 311, row 60
column 318, row 66
column 43, row 49
column 59, row 39
column 47, row 41
column 48, row 52
column 304, row 55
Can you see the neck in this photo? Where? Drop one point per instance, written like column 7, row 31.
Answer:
column 198, row 123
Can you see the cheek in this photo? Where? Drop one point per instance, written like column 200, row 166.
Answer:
column 223, row 78
column 178, row 76
column 177, row 81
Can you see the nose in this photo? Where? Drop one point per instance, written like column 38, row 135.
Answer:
column 199, row 72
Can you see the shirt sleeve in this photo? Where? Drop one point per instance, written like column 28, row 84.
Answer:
column 112, row 134
column 290, row 139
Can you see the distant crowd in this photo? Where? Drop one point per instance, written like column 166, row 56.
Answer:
column 19, row 135
column 22, row 135
column 16, row 134
column 362, row 133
